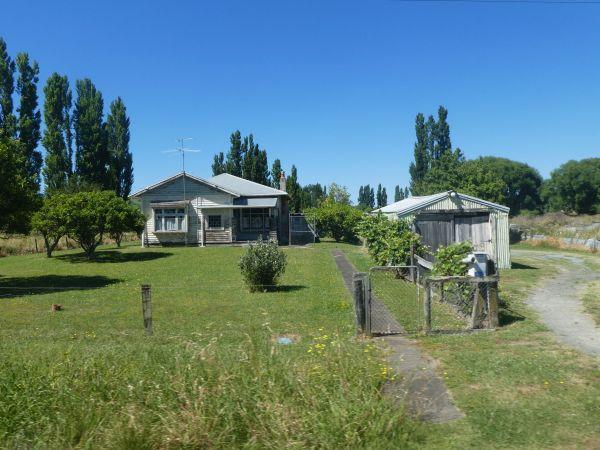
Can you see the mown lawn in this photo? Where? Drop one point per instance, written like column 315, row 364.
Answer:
column 518, row 387
column 211, row 376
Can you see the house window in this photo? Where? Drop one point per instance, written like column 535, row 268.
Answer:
column 172, row 219
column 255, row 219
column 214, row 222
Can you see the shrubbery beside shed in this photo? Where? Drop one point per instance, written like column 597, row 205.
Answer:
column 449, row 217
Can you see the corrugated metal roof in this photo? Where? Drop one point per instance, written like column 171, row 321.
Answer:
column 244, row 187
column 411, row 204
column 260, row 202
column 179, row 175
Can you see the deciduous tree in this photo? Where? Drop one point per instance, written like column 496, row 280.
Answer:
column 120, row 171
column 8, row 121
column 218, row 165
column 57, row 135
column 235, row 155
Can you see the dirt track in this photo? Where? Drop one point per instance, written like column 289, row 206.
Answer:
column 558, row 301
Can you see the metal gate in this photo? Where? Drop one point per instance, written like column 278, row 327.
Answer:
column 396, row 303
column 302, row 231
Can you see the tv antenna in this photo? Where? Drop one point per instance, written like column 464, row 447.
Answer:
column 183, row 150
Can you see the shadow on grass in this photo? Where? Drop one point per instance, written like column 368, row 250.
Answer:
column 516, row 265
column 114, row 256
column 282, row 288
column 49, row 284
column 507, row 316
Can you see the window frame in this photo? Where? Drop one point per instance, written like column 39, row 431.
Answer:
column 162, row 214
column 221, row 222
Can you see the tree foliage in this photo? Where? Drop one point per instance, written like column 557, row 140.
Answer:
column 389, row 241
column 294, row 190
column 8, row 121
column 120, row 171
column 91, row 155
column 50, row 220
column 366, row 197
column 337, row 193
column 574, row 187
column 255, row 166
column 276, row 174
column 57, row 138
column 218, row 165
column 18, row 191
column 235, row 155
column 29, row 119
column 313, row 195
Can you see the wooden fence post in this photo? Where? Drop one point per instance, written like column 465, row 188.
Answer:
column 367, row 297
column 359, row 301
column 147, row 308
column 427, row 306
column 477, row 307
column 493, row 321
column 412, row 263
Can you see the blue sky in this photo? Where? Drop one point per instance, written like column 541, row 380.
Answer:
column 331, row 86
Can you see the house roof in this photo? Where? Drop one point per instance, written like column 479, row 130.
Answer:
column 260, row 202
column 412, row 204
column 187, row 175
column 245, row 188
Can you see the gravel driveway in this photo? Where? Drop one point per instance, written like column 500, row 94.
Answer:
column 558, row 301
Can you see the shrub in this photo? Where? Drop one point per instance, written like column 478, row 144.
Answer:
column 123, row 217
column 336, row 220
column 262, row 265
column 448, row 260
column 389, row 241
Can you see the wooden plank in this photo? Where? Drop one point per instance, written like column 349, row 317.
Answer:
column 427, row 306
column 359, row 301
column 367, row 303
column 477, row 308
column 423, row 262
column 493, row 320
column 147, row 308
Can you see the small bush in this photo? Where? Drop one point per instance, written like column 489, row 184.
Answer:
column 448, row 260
column 262, row 265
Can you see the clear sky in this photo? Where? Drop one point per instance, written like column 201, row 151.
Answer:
column 331, row 86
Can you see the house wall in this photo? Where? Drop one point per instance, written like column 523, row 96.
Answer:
column 200, row 195
column 500, row 248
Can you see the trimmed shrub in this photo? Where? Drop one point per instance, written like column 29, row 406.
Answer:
column 262, row 265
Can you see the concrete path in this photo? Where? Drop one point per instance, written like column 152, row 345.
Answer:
column 420, row 390
column 558, row 301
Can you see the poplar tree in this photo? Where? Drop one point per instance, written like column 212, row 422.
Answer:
column 235, row 155
column 57, row 135
column 431, row 132
column 120, row 171
column 294, row 191
column 379, row 196
column 384, row 201
column 371, row 197
column 29, row 119
column 218, row 165
column 91, row 155
column 8, row 122
column 419, row 167
column 276, row 174
column 442, row 134
column 398, row 194
column 406, row 192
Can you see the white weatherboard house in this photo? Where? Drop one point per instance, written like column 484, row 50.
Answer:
column 185, row 209
column 448, row 217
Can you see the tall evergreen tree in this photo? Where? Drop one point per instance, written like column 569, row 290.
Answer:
column 255, row 165
column 398, row 194
column 29, row 119
column 312, row 195
column 379, row 196
column 218, row 165
column 57, row 135
column 235, row 155
column 8, row 121
column 361, row 196
column 419, row 167
column 431, row 133
column 371, row 197
column 406, row 192
column 91, row 155
column 384, row 200
column 120, row 158
column 442, row 134
column 276, row 173
column 294, row 191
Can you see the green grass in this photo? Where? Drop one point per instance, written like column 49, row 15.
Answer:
column 518, row 387
column 591, row 301
column 211, row 376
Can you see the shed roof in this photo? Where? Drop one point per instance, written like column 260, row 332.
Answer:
column 415, row 203
column 244, row 187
